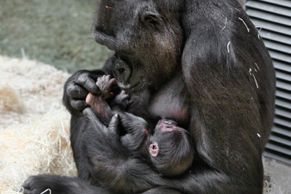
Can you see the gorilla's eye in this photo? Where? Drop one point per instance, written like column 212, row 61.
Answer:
column 121, row 70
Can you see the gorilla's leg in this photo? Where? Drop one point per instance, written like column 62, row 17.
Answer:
column 47, row 184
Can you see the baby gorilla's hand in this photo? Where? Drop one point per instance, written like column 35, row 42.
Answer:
column 98, row 102
column 105, row 84
column 107, row 89
column 136, row 131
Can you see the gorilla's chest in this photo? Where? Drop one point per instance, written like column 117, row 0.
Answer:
column 171, row 102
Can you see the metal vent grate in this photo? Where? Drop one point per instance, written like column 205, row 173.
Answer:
column 273, row 20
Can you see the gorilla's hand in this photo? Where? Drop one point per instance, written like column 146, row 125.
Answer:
column 136, row 129
column 102, row 132
column 77, row 87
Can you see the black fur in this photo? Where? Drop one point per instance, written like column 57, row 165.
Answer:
column 211, row 50
column 173, row 153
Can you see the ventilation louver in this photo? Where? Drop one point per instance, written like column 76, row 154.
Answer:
column 273, row 20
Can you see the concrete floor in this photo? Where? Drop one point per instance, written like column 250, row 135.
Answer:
column 277, row 177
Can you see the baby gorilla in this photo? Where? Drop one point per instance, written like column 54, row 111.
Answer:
column 168, row 149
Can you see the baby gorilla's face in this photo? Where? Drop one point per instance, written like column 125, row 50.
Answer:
column 162, row 127
column 170, row 149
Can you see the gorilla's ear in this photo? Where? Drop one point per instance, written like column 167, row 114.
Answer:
column 151, row 19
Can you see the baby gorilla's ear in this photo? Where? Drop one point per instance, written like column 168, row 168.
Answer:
column 154, row 149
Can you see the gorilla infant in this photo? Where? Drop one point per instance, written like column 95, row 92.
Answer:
column 168, row 148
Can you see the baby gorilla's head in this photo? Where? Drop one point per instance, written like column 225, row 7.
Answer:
column 170, row 149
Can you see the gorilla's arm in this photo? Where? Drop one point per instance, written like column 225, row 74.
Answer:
column 230, row 77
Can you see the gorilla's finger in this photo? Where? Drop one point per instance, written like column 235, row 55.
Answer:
column 112, row 82
column 113, row 125
column 26, row 186
column 78, row 104
column 125, row 119
column 76, row 91
column 88, row 83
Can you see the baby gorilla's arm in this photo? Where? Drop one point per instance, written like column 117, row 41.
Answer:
column 98, row 103
column 100, row 107
column 137, row 133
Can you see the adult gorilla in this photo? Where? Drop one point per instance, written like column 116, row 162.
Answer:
column 211, row 50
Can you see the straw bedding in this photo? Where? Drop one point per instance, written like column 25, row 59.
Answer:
column 34, row 125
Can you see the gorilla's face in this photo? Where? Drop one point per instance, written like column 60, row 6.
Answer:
column 148, row 40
